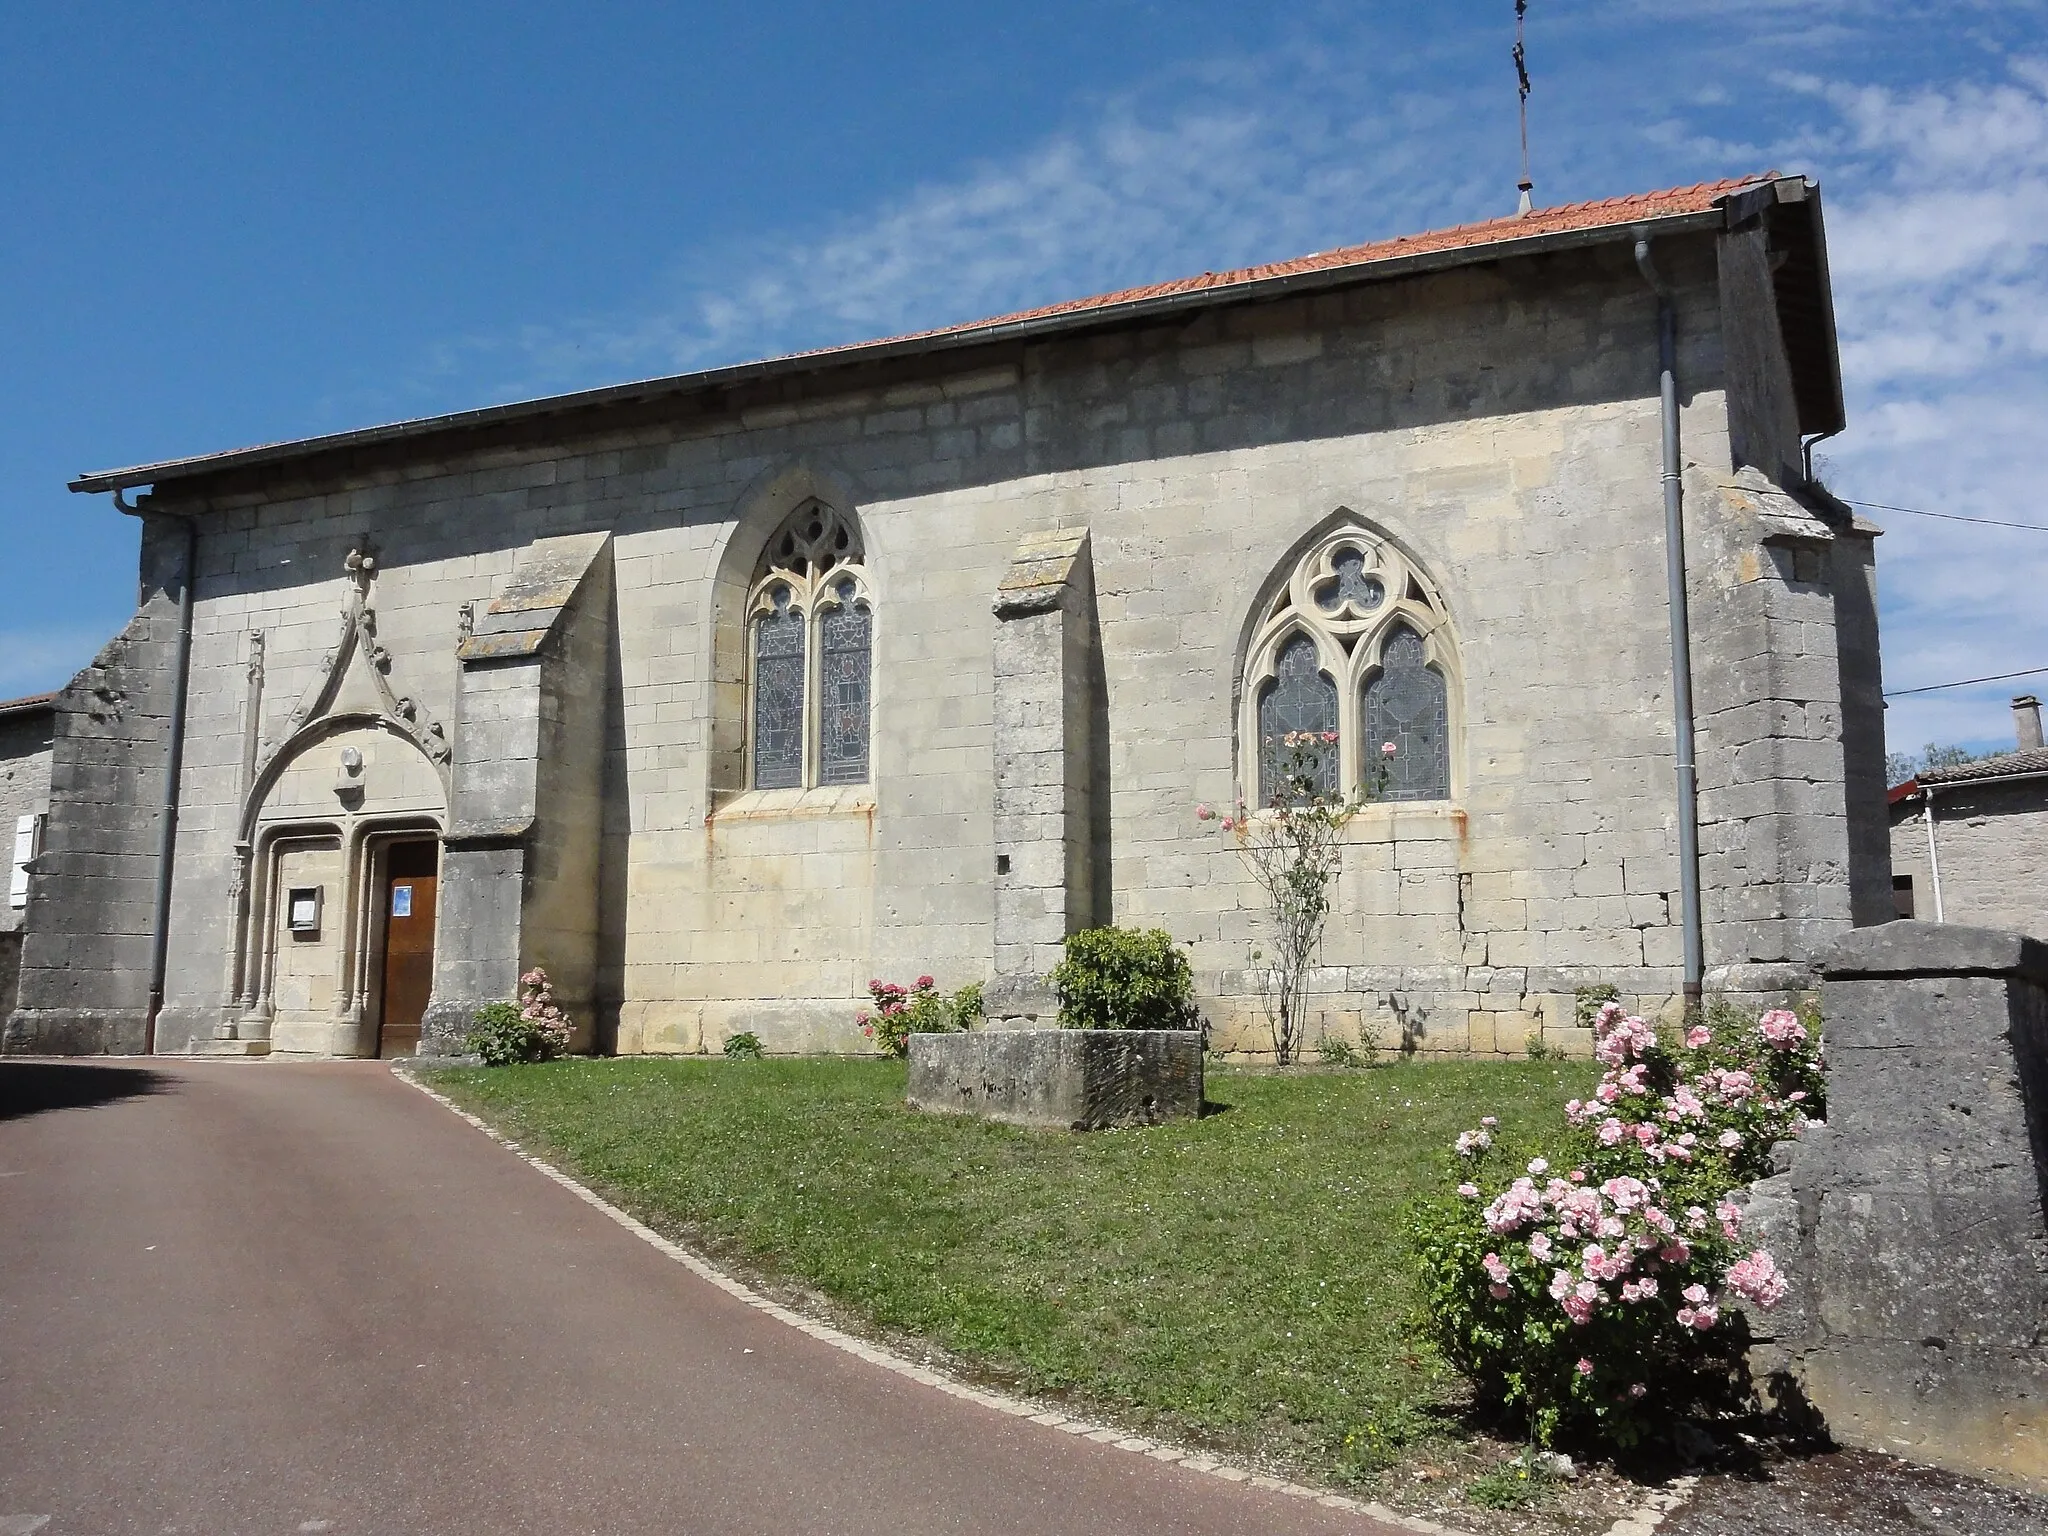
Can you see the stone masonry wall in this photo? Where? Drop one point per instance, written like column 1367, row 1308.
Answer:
column 1854, row 581
column 1774, row 829
column 86, row 951
column 1914, row 1224
column 1500, row 423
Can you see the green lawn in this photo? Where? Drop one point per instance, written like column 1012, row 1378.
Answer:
column 1240, row 1282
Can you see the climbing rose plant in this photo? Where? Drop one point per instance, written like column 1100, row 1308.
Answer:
column 1590, row 1293
column 1294, row 848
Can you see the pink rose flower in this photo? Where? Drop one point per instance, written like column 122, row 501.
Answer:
column 1781, row 1028
column 1758, row 1279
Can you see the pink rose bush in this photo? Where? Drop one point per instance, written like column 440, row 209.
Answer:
column 537, row 1007
column 532, row 1029
column 1589, row 1291
column 918, row 1009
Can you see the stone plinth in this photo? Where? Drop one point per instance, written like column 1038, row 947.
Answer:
column 1060, row 1079
column 1913, row 1224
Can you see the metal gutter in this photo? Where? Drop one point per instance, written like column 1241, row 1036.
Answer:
column 797, row 365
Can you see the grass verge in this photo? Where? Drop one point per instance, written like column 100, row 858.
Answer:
column 1241, row 1282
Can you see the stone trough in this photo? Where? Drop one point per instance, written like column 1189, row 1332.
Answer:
column 1060, row 1079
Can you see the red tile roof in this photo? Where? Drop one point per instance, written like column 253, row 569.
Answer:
column 1603, row 214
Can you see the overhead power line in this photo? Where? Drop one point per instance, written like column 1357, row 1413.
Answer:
column 1947, row 517
column 1996, row 677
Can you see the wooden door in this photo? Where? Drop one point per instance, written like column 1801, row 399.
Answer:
column 410, row 871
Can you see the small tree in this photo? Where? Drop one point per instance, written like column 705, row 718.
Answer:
column 1294, row 848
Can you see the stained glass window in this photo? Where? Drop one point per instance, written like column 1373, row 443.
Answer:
column 1407, row 704
column 779, row 695
column 1352, row 585
column 1299, row 698
column 843, row 663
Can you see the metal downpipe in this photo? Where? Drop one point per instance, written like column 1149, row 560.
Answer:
column 1933, row 857
column 167, row 820
column 1681, row 628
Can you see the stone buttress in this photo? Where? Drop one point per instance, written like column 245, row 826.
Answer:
column 520, row 863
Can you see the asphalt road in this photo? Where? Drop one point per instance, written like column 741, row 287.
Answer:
column 256, row 1297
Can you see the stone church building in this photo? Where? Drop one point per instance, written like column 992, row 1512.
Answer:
column 717, row 695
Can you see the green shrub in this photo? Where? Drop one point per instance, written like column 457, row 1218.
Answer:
column 1336, row 1051
column 744, row 1046
column 1124, row 978
column 1516, row 1485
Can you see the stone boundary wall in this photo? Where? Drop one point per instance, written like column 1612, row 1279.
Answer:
column 1915, row 1223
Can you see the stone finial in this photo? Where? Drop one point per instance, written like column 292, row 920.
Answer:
column 361, row 566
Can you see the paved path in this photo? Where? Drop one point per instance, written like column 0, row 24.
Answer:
column 255, row 1297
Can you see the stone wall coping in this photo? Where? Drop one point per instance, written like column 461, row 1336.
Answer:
column 1910, row 948
column 1044, row 564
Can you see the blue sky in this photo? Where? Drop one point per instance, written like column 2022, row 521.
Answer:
column 232, row 223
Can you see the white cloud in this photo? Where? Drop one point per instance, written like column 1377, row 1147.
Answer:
column 1941, row 290
column 1938, row 223
column 1230, row 164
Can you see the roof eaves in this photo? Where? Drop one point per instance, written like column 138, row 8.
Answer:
column 32, row 704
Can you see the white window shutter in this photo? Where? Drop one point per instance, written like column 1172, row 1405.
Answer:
column 27, row 841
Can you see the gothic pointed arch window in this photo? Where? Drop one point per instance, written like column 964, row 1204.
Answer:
column 810, row 631
column 1355, row 643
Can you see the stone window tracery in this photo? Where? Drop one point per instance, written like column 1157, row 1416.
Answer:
column 1357, row 643
column 810, row 633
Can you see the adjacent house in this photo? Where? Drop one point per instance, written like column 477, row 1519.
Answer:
column 1970, row 843
column 25, row 729
column 718, row 695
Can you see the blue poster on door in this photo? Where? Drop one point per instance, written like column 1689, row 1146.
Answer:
column 401, row 901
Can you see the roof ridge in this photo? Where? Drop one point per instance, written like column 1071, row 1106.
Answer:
column 1696, row 197
column 2019, row 760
